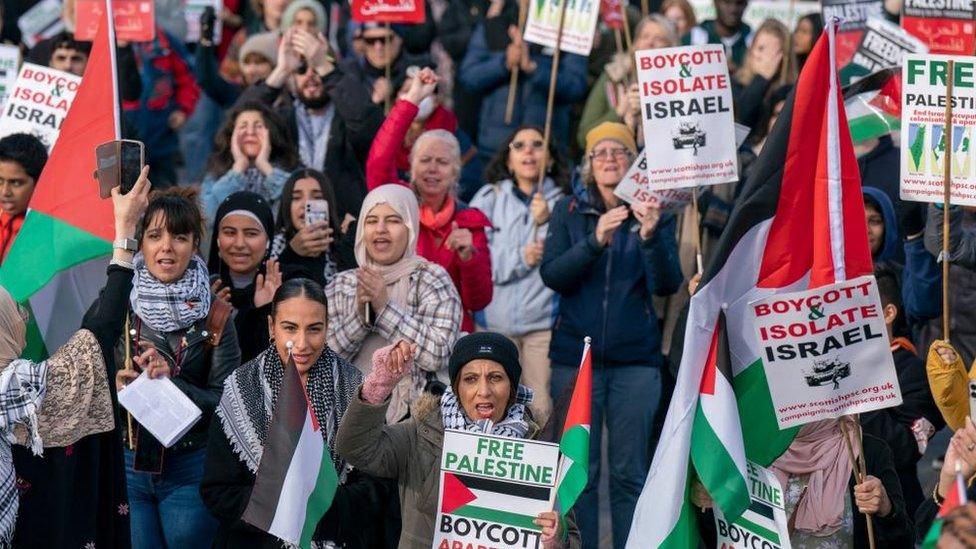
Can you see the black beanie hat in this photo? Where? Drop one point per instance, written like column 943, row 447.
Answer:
column 488, row 346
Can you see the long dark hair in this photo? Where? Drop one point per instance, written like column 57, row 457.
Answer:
column 284, row 153
column 497, row 168
column 284, row 224
column 299, row 287
column 181, row 213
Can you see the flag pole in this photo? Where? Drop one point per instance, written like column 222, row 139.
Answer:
column 513, row 79
column 946, row 199
column 552, row 93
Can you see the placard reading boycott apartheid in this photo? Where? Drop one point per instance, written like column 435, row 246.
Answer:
column 686, row 105
column 634, row 189
column 826, row 352
column 764, row 523
column 542, row 25
column 923, row 135
column 39, row 103
column 492, row 488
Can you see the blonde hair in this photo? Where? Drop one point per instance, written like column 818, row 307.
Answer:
column 448, row 139
column 787, row 70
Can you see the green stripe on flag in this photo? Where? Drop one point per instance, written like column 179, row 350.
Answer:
column 494, row 515
column 43, row 247
column 871, row 126
column 321, row 497
column 763, row 439
column 685, row 532
column 575, row 445
column 933, row 536
column 716, row 468
column 755, row 528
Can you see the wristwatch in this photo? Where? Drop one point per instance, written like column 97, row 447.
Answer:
column 127, row 244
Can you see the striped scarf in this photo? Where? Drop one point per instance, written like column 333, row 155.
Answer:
column 174, row 306
column 513, row 425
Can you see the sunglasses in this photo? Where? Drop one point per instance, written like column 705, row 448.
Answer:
column 374, row 40
column 535, row 144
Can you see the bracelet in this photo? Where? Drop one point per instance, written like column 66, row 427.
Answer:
column 935, row 495
column 123, row 264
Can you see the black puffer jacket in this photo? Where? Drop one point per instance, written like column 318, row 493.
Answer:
column 197, row 368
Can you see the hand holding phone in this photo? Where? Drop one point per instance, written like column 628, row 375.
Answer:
column 119, row 164
column 316, row 211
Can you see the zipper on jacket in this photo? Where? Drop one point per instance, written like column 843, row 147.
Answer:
column 606, row 300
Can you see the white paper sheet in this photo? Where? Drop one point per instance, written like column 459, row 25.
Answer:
column 160, row 406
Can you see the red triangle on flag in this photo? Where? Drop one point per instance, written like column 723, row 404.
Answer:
column 456, row 494
column 66, row 188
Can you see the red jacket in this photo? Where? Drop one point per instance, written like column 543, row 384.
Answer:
column 9, row 227
column 473, row 277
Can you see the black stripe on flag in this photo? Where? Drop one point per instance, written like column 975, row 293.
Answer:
column 287, row 422
column 502, row 487
column 761, row 508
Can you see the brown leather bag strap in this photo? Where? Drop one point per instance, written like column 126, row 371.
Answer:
column 220, row 312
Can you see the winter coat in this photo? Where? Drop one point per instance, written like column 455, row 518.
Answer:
column 410, row 452
column 355, row 124
column 483, row 72
column 894, row 425
column 200, row 373
column 521, row 302
column 472, row 277
column 704, row 33
column 600, row 107
column 949, row 384
column 215, row 189
column 167, row 85
column 962, row 278
column 606, row 292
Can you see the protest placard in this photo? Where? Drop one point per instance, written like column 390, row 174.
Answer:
column 883, row 45
column 491, row 490
column 826, row 352
column 9, row 59
column 634, row 189
column 764, row 523
column 39, row 102
column 945, row 26
column 686, row 107
column 135, row 20
column 611, row 14
column 923, row 136
column 193, row 10
column 542, row 25
column 40, row 22
column 853, row 18
column 388, row 11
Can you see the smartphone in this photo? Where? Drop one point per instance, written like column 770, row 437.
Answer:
column 972, row 400
column 316, row 210
column 119, row 164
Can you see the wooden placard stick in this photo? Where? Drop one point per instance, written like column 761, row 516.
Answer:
column 860, row 470
column 547, row 131
column 946, row 199
column 618, row 40
column 626, row 24
column 513, row 79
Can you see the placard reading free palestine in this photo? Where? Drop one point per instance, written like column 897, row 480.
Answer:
column 492, row 488
column 923, row 135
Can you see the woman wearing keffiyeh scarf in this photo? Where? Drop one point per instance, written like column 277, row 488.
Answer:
column 298, row 316
column 484, row 397
column 169, row 313
column 64, row 405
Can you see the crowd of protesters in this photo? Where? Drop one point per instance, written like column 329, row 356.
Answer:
column 458, row 263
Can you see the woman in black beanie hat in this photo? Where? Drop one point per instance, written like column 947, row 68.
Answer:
column 484, row 397
column 241, row 272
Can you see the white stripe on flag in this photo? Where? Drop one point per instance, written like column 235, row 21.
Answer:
column 303, row 472
column 835, row 197
column 722, row 414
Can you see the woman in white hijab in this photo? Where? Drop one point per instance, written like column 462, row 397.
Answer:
column 394, row 295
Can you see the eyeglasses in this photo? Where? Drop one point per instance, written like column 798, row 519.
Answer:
column 535, row 144
column 605, row 154
column 374, row 40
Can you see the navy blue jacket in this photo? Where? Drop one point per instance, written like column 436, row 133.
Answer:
column 605, row 292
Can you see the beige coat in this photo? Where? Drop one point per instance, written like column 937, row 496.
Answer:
column 409, row 451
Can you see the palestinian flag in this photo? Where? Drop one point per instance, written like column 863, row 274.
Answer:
column 57, row 262
column 955, row 498
column 492, row 500
column 873, row 105
column 296, row 478
column 574, row 463
column 798, row 224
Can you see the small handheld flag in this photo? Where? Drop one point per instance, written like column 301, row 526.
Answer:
column 574, row 463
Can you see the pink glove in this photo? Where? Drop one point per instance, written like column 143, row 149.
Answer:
column 389, row 367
